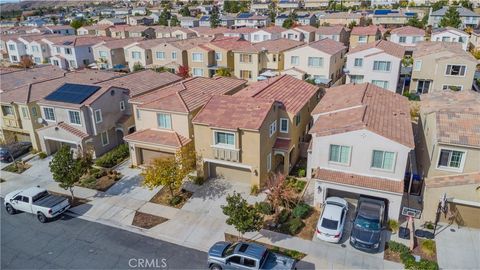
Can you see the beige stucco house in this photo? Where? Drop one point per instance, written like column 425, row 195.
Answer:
column 364, row 34
column 109, row 54
column 340, row 18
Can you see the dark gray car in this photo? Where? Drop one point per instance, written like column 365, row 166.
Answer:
column 368, row 225
column 241, row 255
column 14, row 150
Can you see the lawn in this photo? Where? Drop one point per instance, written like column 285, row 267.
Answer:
column 147, row 221
column 164, row 197
column 17, row 167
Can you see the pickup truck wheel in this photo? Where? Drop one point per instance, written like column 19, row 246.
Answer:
column 10, row 209
column 41, row 217
column 215, row 267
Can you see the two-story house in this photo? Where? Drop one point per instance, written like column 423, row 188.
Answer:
column 60, row 29
column 95, row 30
column 361, row 139
column 335, row 32
column 110, row 54
column 189, row 22
column 364, row 35
column 140, row 52
column 163, row 118
column 378, row 63
column 266, row 125
column 450, row 34
column 36, row 48
column 267, row 33
column 305, row 33
column 468, row 17
column 16, row 49
column 201, row 61
column 441, row 66
column 251, row 20
column 322, row 60
column 449, row 155
column 224, row 47
column 243, row 32
column 339, row 18
column 407, row 36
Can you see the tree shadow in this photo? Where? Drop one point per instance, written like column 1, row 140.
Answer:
column 213, row 189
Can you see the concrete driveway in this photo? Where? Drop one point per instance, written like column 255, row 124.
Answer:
column 458, row 248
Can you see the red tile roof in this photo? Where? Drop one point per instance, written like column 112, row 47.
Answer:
column 359, row 180
column 243, row 112
column 229, row 43
column 20, row 77
column 329, row 30
column 388, row 47
column 282, row 144
column 305, row 28
column 118, row 43
column 365, row 30
column 293, row 93
column 68, row 128
column 272, row 46
column 352, row 107
column 328, row 46
column 453, row 180
column 408, row 31
column 272, row 29
column 158, row 137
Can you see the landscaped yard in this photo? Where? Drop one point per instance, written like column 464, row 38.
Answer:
column 165, row 197
column 113, row 157
column 424, row 249
column 99, row 179
column 17, row 167
column 147, row 221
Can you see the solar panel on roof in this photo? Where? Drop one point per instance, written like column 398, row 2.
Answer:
column 244, row 15
column 72, row 93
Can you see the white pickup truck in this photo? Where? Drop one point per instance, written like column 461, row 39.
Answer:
column 36, row 201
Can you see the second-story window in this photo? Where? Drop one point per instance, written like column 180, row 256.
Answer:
column 294, row 60
column 49, row 114
column 74, row 117
column 35, row 48
column 57, row 49
column 402, row 39
column 358, row 62
column 225, row 139
column 455, row 70
column 297, row 119
column 98, row 116
column 381, row 65
column 339, row 154
column 362, row 39
column 417, row 65
column 68, row 51
column 245, row 58
column 11, row 47
column 315, row 61
column 138, row 114
column 34, row 111
column 383, row 160
column 25, row 113
column 197, row 57
column 102, row 54
column 450, row 159
column 273, row 128
column 7, row 110
column 218, row 56
column 164, row 120
column 284, row 125
column 160, row 55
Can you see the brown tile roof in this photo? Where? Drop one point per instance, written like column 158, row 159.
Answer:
column 453, row 180
column 185, row 44
column 327, row 45
column 329, row 30
column 442, row 50
column 151, row 43
column 365, row 30
column 118, row 43
column 74, row 41
column 457, row 116
column 352, row 107
column 272, row 46
column 158, row 137
column 282, row 144
column 20, row 77
column 97, row 27
column 243, row 112
column 272, row 29
column 229, row 43
column 68, row 128
column 341, row 15
column 293, row 93
column 187, row 95
column 305, row 28
column 242, row 30
column 208, row 31
column 408, row 31
column 359, row 180
column 388, row 47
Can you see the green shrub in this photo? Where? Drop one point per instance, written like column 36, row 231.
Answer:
column 265, row 208
column 406, row 258
column 88, row 182
column 175, row 200
column 301, row 210
column 254, row 190
column 197, row 180
column 42, row 155
column 297, row 185
column 113, row 157
column 429, row 225
column 283, row 216
column 411, row 96
column 428, row 247
column 398, row 247
column 393, row 225
column 427, row 265
column 295, row 225
column 302, row 172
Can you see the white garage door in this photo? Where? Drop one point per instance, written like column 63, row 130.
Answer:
column 230, row 173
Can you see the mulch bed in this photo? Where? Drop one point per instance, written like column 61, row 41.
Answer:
column 391, row 256
column 102, row 183
column 163, row 197
column 418, row 251
column 147, row 221
column 308, row 231
column 76, row 202
column 20, row 168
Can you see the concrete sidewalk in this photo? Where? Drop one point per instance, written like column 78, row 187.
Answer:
column 451, row 255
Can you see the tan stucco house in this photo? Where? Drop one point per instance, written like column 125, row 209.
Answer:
column 364, row 34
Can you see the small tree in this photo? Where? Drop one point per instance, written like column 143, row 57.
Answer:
column 77, row 23
column 164, row 17
column 415, row 22
column 215, row 17
column 288, row 23
column 174, row 21
column 352, row 24
column 279, row 193
column 137, row 66
column 451, row 18
column 224, row 72
column 439, row 4
column 184, row 11
column 26, row 62
column 244, row 217
column 163, row 172
column 66, row 170
column 183, row 71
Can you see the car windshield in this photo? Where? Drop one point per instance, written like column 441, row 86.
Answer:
column 229, row 250
column 39, row 196
column 329, row 224
column 3, row 151
column 367, row 223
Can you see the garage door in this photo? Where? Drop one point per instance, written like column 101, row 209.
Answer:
column 465, row 215
column 230, row 173
column 149, row 155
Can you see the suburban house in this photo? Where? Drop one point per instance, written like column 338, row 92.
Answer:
column 265, row 132
column 15, row 48
column 140, row 52
column 163, row 118
column 207, row 31
column 60, row 29
column 450, row 34
column 391, row 18
column 441, row 66
column 253, row 59
column 251, row 20
column 260, row 6
column 94, row 117
column 306, row 19
column 140, row 20
column 201, row 61
column 112, row 21
column 289, row 4
column 36, row 48
column 377, row 63
column 95, row 30
column 468, row 17
column 305, row 33
column 110, row 54
column 243, row 32
column 407, row 36
column 337, row 33
column 361, row 139
column 267, row 33
column 176, row 32
column 474, row 43
column 139, row 11
column 449, row 155
column 339, row 18
column 224, row 47
column 281, row 18
column 322, row 60
column 364, row 34
column 189, row 22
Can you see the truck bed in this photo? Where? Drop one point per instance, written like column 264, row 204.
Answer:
column 49, row 201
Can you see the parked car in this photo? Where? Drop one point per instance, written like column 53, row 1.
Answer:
column 368, row 225
column 14, row 150
column 241, row 255
column 36, row 201
column 332, row 221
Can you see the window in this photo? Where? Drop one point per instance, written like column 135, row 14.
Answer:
column 265, row 37
column 102, row 54
column 455, row 70
column 71, row 63
column 416, row 39
column 450, row 159
column 68, row 51
column 218, row 56
column 315, row 61
column 381, row 65
column 225, row 139
column 34, row 111
column 164, row 120
column 362, row 39
column 136, row 55
column 74, row 117
column 297, row 119
column 234, row 259
column 256, row 37
column 383, row 84
column 160, row 55
column 37, row 60
column 383, row 160
column 11, row 47
column 245, row 74
column 197, row 57
column 174, row 55
column 138, row 114
column 269, row 162
column 358, row 62
column 339, row 154
column 356, row 78
column 49, row 114
column 14, row 58
column 284, row 125
column 446, row 39
column 35, row 48
column 273, row 128
column 294, row 60
column 122, row 105
column 248, row 262
column 417, row 65
column 98, row 116
column 197, row 72
column 245, row 58
column 104, row 137
column 7, row 110
column 423, row 86
column 452, row 87
column 402, row 39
